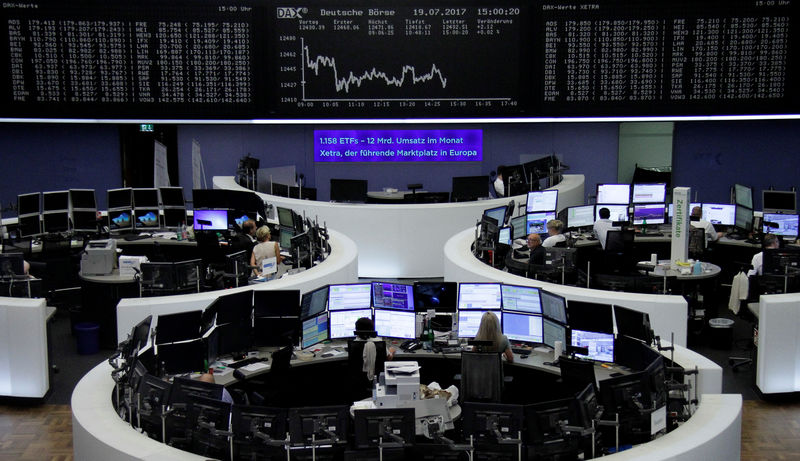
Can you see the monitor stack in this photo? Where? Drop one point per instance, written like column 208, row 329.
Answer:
column 120, row 210
column 174, row 207
column 55, row 215
column 83, row 210
column 29, row 209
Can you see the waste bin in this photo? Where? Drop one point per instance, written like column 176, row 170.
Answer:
column 88, row 336
column 720, row 333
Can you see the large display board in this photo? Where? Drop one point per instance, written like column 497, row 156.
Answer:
column 246, row 59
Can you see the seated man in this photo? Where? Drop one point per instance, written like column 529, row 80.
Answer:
column 538, row 252
column 602, row 225
column 696, row 220
column 555, row 237
column 770, row 242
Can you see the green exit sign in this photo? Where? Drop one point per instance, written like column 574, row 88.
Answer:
column 146, row 127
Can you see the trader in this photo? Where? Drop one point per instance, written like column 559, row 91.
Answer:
column 538, row 252
column 489, row 330
column 555, row 237
column 246, row 240
column 602, row 225
column 499, row 185
column 770, row 242
column 696, row 220
column 264, row 250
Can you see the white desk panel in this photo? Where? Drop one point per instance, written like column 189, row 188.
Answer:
column 404, row 240
column 778, row 362
column 24, row 367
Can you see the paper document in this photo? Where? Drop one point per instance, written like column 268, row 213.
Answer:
column 405, row 370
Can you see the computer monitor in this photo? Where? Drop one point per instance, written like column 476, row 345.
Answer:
column 649, row 193
column 314, row 330
column 786, row 224
column 744, row 218
column 285, row 238
column 28, row 204
column 485, row 296
column 254, row 424
column 319, row 423
column 718, row 213
column 348, row 190
column 82, row 199
column 235, row 308
column 504, row 235
column 613, row 194
column 778, row 201
column 276, row 303
column 146, row 219
column 349, row 296
column 387, row 295
column 374, row 427
column 469, row 188
column 552, row 332
column 343, row 323
column 670, row 211
column 174, row 217
column 187, row 273
column 55, row 222
column 395, row 324
column 439, row 296
column 616, row 212
column 29, row 226
column 600, row 345
column 780, row 261
column 286, row 217
column 145, row 198
column 743, row 195
column 491, row 421
column 469, row 321
column 120, row 198
column 498, row 213
column 580, row 216
column 184, row 357
column 590, row 316
column 55, row 201
column 634, row 324
column 119, row 220
column 554, row 306
column 314, row 302
column 183, row 386
column 537, row 222
column 522, row 327
column 545, row 200
column 276, row 331
column 172, row 197
column 181, row 326
column 213, row 220
column 521, row 299
column 650, row 213
column 519, row 226
column 84, row 220
column 238, row 218
column 544, row 434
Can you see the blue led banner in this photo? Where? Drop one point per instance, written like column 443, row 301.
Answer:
column 398, row 145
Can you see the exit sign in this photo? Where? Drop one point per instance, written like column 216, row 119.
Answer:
column 146, row 127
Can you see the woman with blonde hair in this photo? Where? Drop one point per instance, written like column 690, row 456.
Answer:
column 264, row 250
column 489, row 330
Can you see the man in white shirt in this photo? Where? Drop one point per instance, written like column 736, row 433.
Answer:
column 499, row 185
column 770, row 242
column 696, row 220
column 602, row 225
column 554, row 228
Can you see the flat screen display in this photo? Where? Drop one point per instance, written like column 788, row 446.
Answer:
column 172, row 196
column 744, row 218
column 554, row 306
column 651, row 213
column 174, row 217
column 469, row 321
column 145, row 198
column 314, row 302
column 778, row 201
column 386, row 295
column 395, row 324
column 545, row 200
column 522, row 327
column 580, row 216
column 285, row 238
column 521, row 299
column 285, row 217
column 120, row 198
column 55, row 222
column 484, row 296
column 504, row 236
column 82, row 199
column 343, row 323
column 272, row 303
column 440, row 296
column 613, row 193
column 351, row 296
column 616, row 212
column 590, row 316
column 210, row 219
column 552, row 332
column 649, row 193
column 120, row 219
column 84, row 220
column 498, row 213
column 55, row 201
column 146, row 219
column 744, row 195
column 519, row 226
column 600, row 345
column 787, row 224
column 719, row 213
column 537, row 222
column 29, row 226
column 28, row 204
column 314, row 330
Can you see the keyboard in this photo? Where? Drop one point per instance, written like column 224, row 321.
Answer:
column 521, row 350
column 450, row 349
column 245, row 362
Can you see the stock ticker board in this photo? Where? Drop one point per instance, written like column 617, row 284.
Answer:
column 318, row 59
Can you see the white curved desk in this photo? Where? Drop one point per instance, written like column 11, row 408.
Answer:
column 341, row 266
column 24, row 365
column 404, row 240
column 668, row 313
column 778, row 362
column 713, row 432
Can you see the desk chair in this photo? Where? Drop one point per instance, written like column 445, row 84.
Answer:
column 481, row 377
column 697, row 243
column 618, row 254
column 576, row 374
column 360, row 385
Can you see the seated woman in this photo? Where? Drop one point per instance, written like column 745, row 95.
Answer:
column 489, row 330
column 264, row 250
column 365, row 332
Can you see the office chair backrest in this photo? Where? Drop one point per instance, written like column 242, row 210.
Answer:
column 355, row 354
column 619, row 240
column 481, row 377
column 697, row 240
column 576, row 374
column 281, row 359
